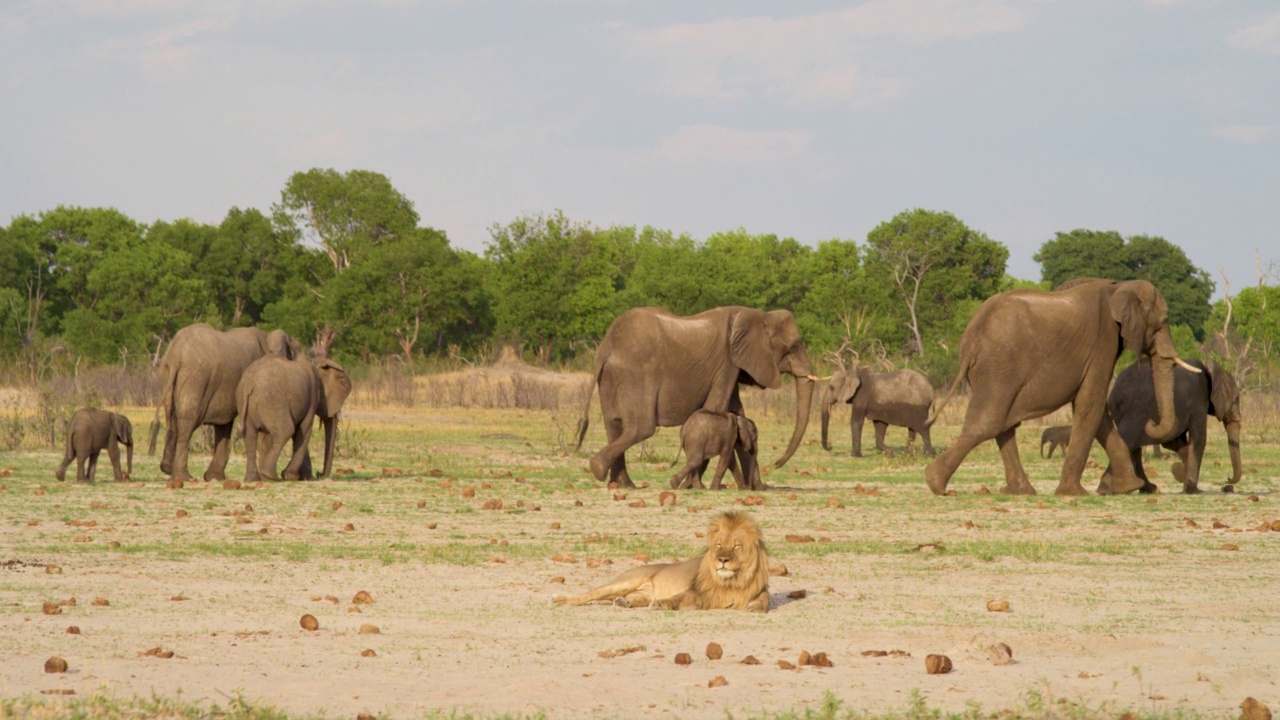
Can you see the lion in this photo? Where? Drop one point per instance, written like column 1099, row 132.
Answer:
column 733, row 574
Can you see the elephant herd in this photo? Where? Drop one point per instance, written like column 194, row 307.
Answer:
column 1025, row 354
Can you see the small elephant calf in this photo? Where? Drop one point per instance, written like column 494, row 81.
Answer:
column 89, row 432
column 707, row 434
column 1053, row 437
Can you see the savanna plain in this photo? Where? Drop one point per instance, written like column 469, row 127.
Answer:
column 459, row 525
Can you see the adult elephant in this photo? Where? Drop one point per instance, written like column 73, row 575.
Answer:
column 655, row 369
column 900, row 398
column 282, row 398
column 1027, row 353
column 199, row 374
column 1196, row 396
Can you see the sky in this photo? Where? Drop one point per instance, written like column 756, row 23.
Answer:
column 810, row 120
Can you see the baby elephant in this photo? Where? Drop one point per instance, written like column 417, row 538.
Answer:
column 282, row 399
column 1053, row 437
column 90, row 432
column 707, row 434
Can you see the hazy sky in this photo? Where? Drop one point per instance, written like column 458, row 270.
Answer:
column 810, row 120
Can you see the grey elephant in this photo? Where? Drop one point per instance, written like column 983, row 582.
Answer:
column 1196, row 396
column 1053, row 437
column 282, row 398
column 732, row 437
column 900, row 398
column 198, row 375
column 89, row 432
column 655, row 369
column 1027, row 353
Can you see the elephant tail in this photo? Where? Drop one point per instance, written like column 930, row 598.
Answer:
column 583, row 422
column 940, row 405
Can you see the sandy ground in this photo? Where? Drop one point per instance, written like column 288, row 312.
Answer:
column 1114, row 602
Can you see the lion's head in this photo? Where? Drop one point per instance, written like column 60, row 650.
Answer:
column 735, row 569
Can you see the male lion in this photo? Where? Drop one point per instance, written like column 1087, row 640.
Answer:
column 732, row 574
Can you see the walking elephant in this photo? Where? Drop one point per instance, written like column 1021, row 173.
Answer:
column 707, row 434
column 199, row 374
column 1053, row 437
column 655, row 369
column 282, row 398
column 1196, row 396
column 1027, row 353
column 89, row 432
column 901, row 398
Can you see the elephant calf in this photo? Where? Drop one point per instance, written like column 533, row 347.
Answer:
column 89, row 433
column 1053, row 437
column 901, row 397
column 733, row 437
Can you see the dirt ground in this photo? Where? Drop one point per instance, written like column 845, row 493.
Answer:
column 1163, row 602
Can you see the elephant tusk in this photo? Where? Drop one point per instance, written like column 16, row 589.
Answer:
column 1185, row 365
column 815, row 378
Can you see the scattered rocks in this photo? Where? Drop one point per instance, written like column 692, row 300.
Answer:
column 1230, row 547
column 998, row 606
column 666, row 499
column 798, row 594
column 368, row 629
column 778, row 570
column 362, row 598
column 1000, row 654
column 714, row 651
column 309, row 623
column 174, row 484
column 1251, row 709
column 73, row 630
column 230, row 484
column 785, row 665
column 56, row 664
column 51, row 608
column 557, row 580
column 100, row 602
column 683, row 659
column 750, row 660
column 607, row 654
column 717, row 681
column 349, row 527
column 52, row 570
column 368, row 653
column 158, row 652
column 937, row 664
column 816, row 659
column 800, row 538
column 492, row 504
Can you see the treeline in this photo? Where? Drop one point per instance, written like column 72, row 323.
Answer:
column 343, row 261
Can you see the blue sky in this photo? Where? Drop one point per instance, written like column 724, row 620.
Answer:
column 811, row 120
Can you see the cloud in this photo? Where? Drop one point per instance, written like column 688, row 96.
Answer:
column 811, row 59
column 1246, row 134
column 1263, row 36
column 715, row 144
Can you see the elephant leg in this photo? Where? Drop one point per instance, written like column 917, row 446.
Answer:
column 939, row 472
column 178, row 469
column 113, row 453
column 221, row 453
column 93, row 465
column 1015, row 477
column 1192, row 455
column 301, row 441
column 928, row 442
column 61, row 472
column 881, row 428
column 1119, row 476
column 1135, row 457
column 613, row 455
column 855, row 431
column 250, row 451
column 727, row 462
column 911, row 438
column 270, row 459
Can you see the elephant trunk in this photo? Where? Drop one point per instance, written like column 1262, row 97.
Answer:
column 826, row 419
column 128, row 454
column 330, row 442
column 1163, row 361
column 804, row 403
column 1233, row 443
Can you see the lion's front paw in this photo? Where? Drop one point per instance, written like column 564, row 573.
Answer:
column 621, row 602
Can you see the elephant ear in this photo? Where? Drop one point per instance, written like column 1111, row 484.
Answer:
column 749, row 348
column 746, row 433
column 849, row 388
column 1129, row 309
column 1223, row 393
column 337, row 386
column 123, row 429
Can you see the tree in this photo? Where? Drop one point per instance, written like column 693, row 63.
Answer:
column 346, row 216
column 936, row 262
column 1105, row 254
column 552, row 281
column 841, row 305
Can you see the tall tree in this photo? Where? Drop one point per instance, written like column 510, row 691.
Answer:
column 1083, row 253
column 346, row 216
column 935, row 262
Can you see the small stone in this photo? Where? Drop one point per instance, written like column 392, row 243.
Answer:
column 1275, row 526
column 714, row 651
column 101, row 602
column 778, row 570
column 73, row 630
column 785, row 665
column 349, row 527
column 368, row 653
column 493, row 504
column 55, row 664
column 51, row 608
column 52, row 570
column 174, row 484
column 368, row 629
column 1000, row 654
column 800, row 538
column 1252, row 709
column 937, row 664
column 557, row 580
column 362, row 598
column 636, row 503
column 181, row 513
column 1230, row 546
column 717, row 681
column 353, row 609
column 309, row 623
column 230, row 484
column 468, row 492
column 750, row 660
column 820, row 660
column 683, row 659
column 666, row 499
column 798, row 594
column 998, row 606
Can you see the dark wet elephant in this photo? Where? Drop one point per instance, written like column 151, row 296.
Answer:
column 1027, row 353
column 655, row 369
column 1196, row 396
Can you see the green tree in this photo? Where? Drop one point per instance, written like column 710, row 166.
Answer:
column 842, row 305
column 1083, row 253
column 759, row 271
column 346, row 216
column 935, row 262
column 666, row 273
column 553, row 282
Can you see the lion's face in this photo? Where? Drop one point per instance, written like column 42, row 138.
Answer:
column 734, row 543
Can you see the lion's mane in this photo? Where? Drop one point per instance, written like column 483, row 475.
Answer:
column 752, row 578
